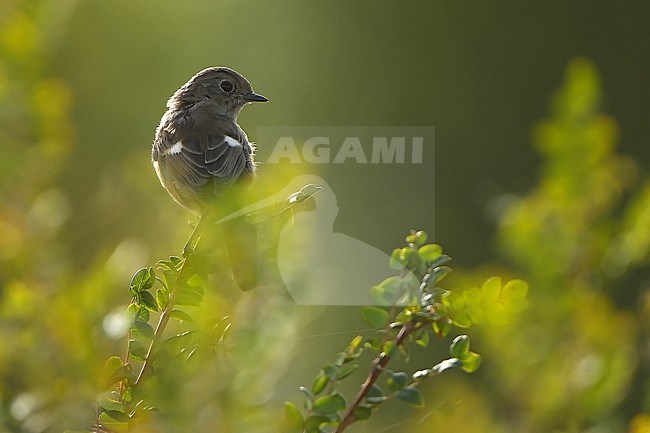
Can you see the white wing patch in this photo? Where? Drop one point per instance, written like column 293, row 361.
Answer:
column 175, row 149
column 231, row 141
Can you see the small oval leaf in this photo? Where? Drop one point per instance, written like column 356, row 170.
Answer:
column 143, row 279
column 330, row 403
column 181, row 315
column 108, row 404
column 320, row 383
column 459, row 347
column 346, row 370
column 295, row 421
column 429, row 252
column 471, row 362
column 410, row 395
column 397, row 380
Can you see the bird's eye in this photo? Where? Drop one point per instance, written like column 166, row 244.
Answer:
column 226, row 86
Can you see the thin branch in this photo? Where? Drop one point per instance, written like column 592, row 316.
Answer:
column 379, row 364
column 166, row 313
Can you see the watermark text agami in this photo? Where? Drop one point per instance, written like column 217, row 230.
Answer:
column 322, row 150
column 338, row 145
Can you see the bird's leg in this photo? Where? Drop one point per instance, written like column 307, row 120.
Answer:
column 190, row 245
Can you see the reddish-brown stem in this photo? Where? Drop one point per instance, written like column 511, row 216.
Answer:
column 378, row 366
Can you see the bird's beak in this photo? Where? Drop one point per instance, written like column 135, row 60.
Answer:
column 254, row 97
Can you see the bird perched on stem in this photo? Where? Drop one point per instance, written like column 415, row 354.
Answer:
column 200, row 153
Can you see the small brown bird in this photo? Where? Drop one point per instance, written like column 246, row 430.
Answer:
column 200, row 151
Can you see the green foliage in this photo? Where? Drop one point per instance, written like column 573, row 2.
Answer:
column 425, row 309
column 578, row 237
column 421, row 309
column 581, row 238
column 493, row 302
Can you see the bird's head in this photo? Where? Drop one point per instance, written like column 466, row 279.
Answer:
column 228, row 89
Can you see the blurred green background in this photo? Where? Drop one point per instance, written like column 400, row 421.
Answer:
column 563, row 203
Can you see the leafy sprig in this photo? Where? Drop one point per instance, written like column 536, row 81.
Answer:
column 411, row 309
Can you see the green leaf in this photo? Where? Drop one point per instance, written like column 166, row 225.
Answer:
column 112, row 366
column 410, row 395
column 429, row 252
column 397, row 381
column 362, row 412
column 330, row 403
column 314, row 421
column 386, row 292
column 442, row 327
column 471, row 362
column 423, row 340
column 127, row 395
column 181, row 315
column 442, row 260
column 459, row 347
column 108, row 404
column 295, row 421
column 142, row 329
column 340, row 358
column 114, row 370
column 472, row 297
column 331, row 371
column 137, row 350
column 142, row 280
column 373, row 343
column 376, row 400
column 436, row 275
column 114, row 421
column 165, row 266
column 462, row 320
column 355, row 343
column 352, row 356
column 162, row 298
column 410, row 238
column 408, row 256
column 420, row 238
column 395, row 261
column 453, row 299
column 172, row 265
column 196, row 280
column 147, row 299
column 388, row 349
column 169, row 279
column 138, row 313
column 375, row 316
column 491, row 290
column 320, row 383
column 515, row 290
column 346, row 370
column 375, row 391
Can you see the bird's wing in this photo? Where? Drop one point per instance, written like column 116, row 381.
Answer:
column 184, row 159
column 197, row 161
column 226, row 158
